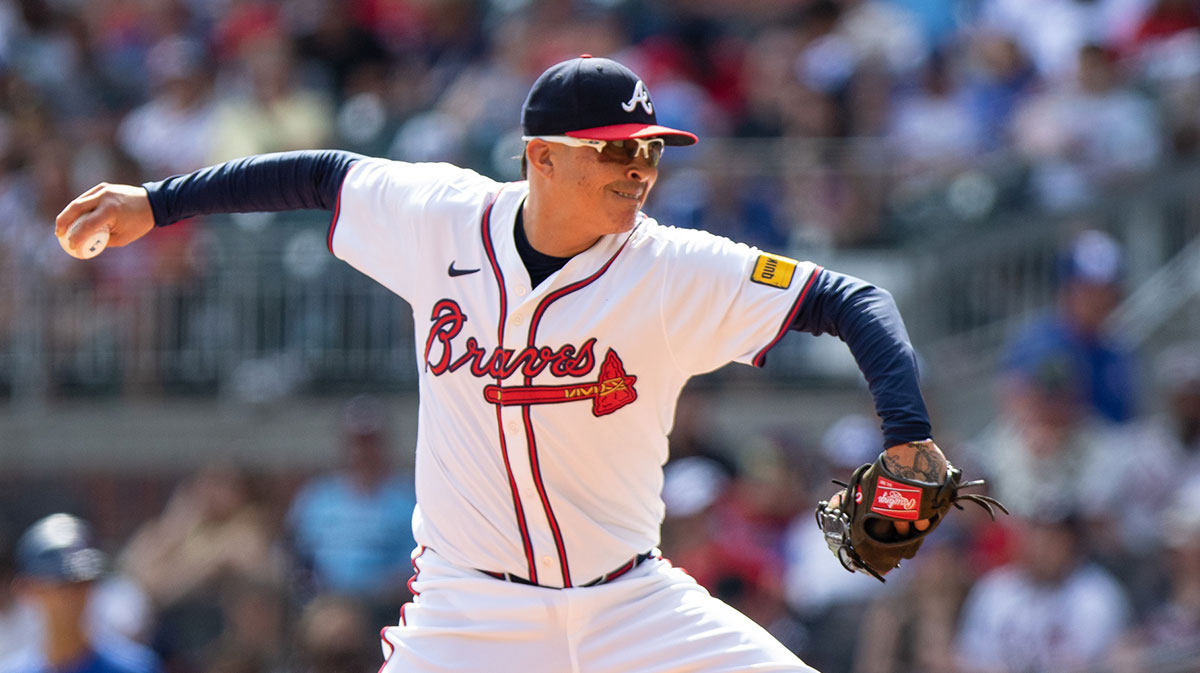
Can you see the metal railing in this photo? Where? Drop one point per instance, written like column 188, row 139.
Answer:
column 972, row 291
column 248, row 323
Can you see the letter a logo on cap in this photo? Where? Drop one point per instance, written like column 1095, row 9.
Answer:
column 640, row 97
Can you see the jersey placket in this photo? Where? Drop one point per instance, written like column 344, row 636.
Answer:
column 508, row 427
column 522, row 312
column 516, row 427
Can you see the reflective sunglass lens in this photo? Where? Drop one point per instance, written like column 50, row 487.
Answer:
column 628, row 150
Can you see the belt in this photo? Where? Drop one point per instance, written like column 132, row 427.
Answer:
column 606, row 577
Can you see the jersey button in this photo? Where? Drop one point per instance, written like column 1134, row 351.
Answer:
column 518, row 319
column 521, row 291
column 512, row 426
column 546, row 560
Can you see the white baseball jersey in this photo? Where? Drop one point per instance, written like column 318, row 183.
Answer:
column 544, row 412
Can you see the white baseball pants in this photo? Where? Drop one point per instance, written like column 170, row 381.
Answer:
column 653, row 619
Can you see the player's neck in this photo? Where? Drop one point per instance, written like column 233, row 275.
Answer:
column 67, row 644
column 551, row 232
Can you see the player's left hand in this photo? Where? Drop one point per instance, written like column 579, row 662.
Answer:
column 903, row 528
column 122, row 209
column 924, row 461
column 888, row 507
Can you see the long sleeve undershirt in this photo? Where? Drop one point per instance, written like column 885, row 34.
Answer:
column 863, row 316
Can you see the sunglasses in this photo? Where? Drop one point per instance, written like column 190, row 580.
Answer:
column 624, row 151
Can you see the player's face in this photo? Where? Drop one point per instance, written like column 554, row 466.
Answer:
column 605, row 189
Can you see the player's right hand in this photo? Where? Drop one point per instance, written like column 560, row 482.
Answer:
column 123, row 209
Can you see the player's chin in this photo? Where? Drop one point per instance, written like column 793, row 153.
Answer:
column 624, row 223
column 624, row 213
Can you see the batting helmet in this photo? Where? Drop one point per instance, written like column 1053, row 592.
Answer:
column 59, row 548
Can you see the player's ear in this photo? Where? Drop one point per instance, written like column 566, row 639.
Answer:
column 538, row 153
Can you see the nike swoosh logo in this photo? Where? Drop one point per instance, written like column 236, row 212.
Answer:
column 459, row 272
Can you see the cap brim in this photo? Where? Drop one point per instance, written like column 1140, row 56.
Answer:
column 670, row 136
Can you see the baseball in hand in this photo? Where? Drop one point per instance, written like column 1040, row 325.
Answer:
column 93, row 245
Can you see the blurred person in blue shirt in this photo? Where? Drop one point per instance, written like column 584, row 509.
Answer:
column 57, row 566
column 1090, row 275
column 352, row 528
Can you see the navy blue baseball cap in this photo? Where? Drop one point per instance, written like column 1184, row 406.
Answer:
column 596, row 99
column 60, row 548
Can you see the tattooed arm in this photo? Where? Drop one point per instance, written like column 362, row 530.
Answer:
column 920, row 461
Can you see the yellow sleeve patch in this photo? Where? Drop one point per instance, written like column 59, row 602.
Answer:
column 774, row 270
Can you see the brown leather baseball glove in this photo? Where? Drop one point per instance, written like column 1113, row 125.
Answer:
column 861, row 529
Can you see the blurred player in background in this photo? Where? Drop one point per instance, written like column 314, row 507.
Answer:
column 57, row 568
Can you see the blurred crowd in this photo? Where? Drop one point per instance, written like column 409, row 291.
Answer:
column 233, row 575
column 852, row 123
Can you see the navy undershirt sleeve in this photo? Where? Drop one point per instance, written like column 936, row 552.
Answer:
column 866, row 318
column 307, row 179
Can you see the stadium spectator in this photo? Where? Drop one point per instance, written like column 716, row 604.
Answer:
column 827, row 599
column 173, row 131
column 253, row 630
column 1171, row 630
column 1051, row 610
column 814, row 586
column 1054, row 31
column 695, row 488
column 725, row 529
column 1073, row 162
column 886, row 33
column 1165, row 19
column 213, row 529
column 352, row 528
column 1090, row 276
column 350, row 57
column 923, row 606
column 486, row 95
column 998, row 76
column 933, row 132
column 332, row 636
column 825, row 64
column 214, row 535
column 1044, row 443
column 266, row 109
column 1148, row 452
column 767, row 81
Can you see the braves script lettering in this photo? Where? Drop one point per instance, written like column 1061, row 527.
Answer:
column 612, row 391
column 501, row 363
